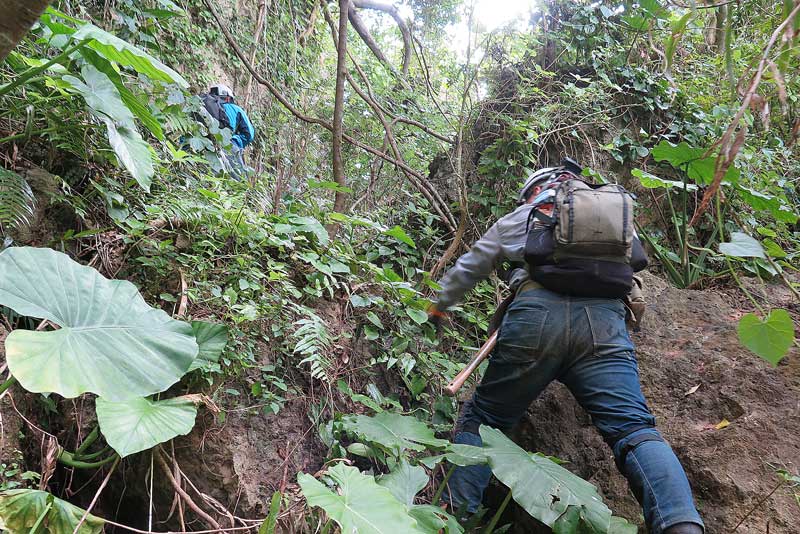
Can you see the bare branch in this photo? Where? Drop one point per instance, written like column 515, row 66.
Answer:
column 401, row 24
column 363, row 32
column 422, row 185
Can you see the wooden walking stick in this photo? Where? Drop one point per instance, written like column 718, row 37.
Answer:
column 452, row 388
column 494, row 327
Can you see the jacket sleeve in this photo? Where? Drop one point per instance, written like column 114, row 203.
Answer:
column 244, row 128
column 471, row 268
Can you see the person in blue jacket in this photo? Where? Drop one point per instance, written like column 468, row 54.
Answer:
column 221, row 105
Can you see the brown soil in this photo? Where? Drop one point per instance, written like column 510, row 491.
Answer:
column 689, row 339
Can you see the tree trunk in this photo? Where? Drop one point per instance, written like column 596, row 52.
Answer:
column 338, row 107
column 16, row 18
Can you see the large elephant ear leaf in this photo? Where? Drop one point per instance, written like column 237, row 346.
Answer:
column 136, row 425
column 110, row 341
column 21, row 509
column 543, row 488
column 359, row 505
column 115, row 49
column 393, row 431
column 405, row 481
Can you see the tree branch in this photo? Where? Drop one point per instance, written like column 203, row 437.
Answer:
column 429, row 192
column 338, row 108
column 366, row 36
column 313, row 120
column 401, row 24
column 16, row 18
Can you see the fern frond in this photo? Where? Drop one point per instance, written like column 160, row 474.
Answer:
column 17, row 202
column 313, row 342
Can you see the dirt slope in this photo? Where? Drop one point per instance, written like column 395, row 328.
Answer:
column 689, row 339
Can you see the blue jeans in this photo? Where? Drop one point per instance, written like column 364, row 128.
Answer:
column 583, row 343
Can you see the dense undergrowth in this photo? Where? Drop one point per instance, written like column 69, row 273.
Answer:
column 255, row 292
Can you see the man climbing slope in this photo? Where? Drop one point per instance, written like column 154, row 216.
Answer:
column 219, row 102
column 567, row 323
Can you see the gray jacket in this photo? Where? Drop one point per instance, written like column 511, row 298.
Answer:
column 504, row 240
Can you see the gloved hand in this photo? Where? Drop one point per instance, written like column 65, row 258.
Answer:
column 435, row 317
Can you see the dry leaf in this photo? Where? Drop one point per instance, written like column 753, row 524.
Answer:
column 692, row 390
column 722, row 424
column 780, row 83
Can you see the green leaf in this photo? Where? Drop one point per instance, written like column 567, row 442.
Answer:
column 400, row 234
column 132, row 152
column 139, row 424
column 761, row 201
column 105, row 102
column 371, row 317
column 21, row 508
column 269, row 524
column 405, row 481
column 418, row 316
column 678, row 28
column 111, row 342
column 773, row 249
column 360, row 302
column 542, row 487
column 17, row 202
column 393, row 431
column 621, row 526
column 359, row 505
column 770, row 338
column 211, row 339
column 458, row 454
column 742, row 245
column 433, row 519
column 651, row 181
column 136, row 106
column 691, row 160
column 370, row 333
column 310, row 224
column 101, row 95
column 327, row 184
column 115, row 49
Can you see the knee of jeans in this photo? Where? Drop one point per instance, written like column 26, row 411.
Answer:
column 466, row 437
column 625, row 444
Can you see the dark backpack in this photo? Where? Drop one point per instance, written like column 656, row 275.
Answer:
column 588, row 246
column 213, row 104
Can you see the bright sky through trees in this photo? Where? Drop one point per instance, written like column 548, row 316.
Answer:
column 490, row 15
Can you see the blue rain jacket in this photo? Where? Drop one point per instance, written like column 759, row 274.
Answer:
column 243, row 131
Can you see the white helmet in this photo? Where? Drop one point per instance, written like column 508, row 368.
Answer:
column 222, row 90
column 547, row 175
column 536, row 178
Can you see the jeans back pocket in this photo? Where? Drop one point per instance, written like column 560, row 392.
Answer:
column 609, row 333
column 521, row 332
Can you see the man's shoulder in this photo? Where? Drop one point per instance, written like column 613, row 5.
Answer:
column 515, row 218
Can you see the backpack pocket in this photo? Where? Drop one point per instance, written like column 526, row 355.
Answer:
column 593, row 222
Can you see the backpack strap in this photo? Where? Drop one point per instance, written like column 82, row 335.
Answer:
column 536, row 213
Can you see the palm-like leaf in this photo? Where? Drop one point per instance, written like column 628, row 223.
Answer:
column 16, row 201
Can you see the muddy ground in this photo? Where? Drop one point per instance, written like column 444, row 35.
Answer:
column 688, row 340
